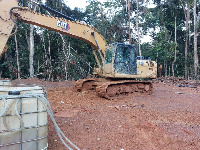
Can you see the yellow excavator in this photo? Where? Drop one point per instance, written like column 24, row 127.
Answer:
column 118, row 65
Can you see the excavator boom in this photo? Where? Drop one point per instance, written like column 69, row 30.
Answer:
column 6, row 24
column 63, row 26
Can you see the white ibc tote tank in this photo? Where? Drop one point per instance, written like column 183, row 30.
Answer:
column 5, row 83
column 23, row 119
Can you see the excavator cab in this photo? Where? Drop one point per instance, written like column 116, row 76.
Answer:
column 122, row 57
column 121, row 61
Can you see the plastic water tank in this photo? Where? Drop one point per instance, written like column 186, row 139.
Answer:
column 5, row 83
column 24, row 125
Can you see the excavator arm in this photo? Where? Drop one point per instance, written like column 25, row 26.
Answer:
column 63, row 26
column 6, row 24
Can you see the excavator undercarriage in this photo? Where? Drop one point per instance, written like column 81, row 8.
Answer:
column 111, row 89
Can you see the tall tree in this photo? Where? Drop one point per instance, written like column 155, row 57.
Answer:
column 17, row 54
column 196, row 61
column 129, row 21
column 138, row 30
column 31, row 48
column 175, row 40
column 186, row 7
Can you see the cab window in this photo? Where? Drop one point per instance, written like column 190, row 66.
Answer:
column 109, row 54
column 122, row 54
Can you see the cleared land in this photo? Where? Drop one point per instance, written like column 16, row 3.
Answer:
column 167, row 119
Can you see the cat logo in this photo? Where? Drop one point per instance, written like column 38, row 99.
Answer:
column 63, row 25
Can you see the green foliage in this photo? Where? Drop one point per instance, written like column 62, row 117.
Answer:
column 111, row 20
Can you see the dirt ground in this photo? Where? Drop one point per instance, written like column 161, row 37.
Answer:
column 169, row 119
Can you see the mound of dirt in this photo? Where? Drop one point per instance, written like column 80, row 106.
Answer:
column 179, row 81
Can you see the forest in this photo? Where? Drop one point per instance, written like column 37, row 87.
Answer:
column 171, row 25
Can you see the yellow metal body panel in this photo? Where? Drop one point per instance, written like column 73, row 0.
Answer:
column 146, row 69
column 6, row 24
column 108, row 68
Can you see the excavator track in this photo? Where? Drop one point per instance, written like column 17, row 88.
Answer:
column 85, row 84
column 114, row 89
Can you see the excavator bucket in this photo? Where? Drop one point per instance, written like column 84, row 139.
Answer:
column 6, row 24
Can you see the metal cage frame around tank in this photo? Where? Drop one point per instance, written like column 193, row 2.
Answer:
column 21, row 141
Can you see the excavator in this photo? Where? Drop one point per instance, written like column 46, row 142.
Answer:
column 119, row 70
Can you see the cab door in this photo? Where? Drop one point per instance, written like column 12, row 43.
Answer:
column 125, row 59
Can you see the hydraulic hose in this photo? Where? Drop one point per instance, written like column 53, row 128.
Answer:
column 42, row 98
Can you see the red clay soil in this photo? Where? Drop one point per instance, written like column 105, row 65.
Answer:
column 169, row 119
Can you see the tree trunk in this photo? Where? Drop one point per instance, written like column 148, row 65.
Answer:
column 196, row 61
column 49, row 67
column 45, row 50
column 66, row 56
column 31, row 54
column 17, row 53
column 165, row 67
column 60, row 3
column 138, row 31
column 160, row 71
column 129, row 19
column 187, row 18
column 31, row 48
column 174, row 51
column 186, row 43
